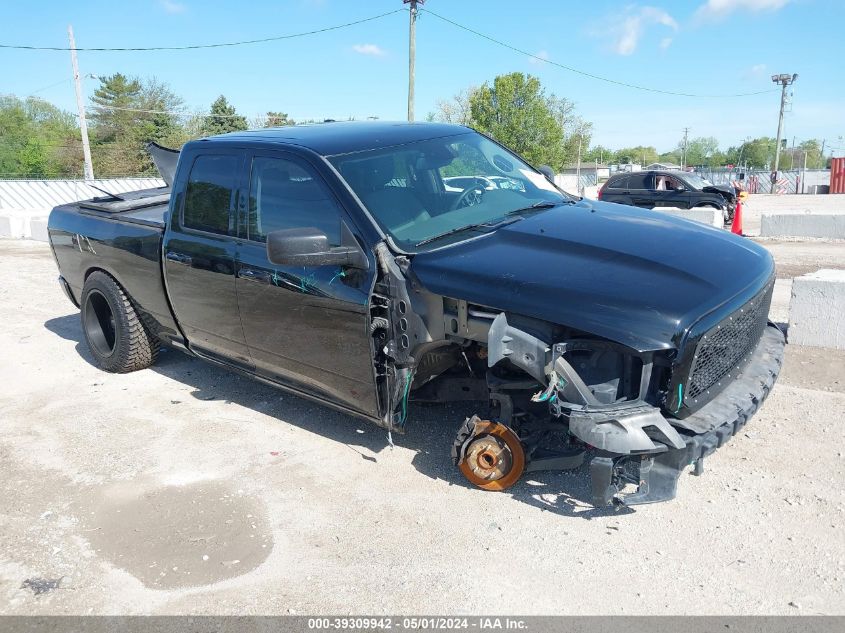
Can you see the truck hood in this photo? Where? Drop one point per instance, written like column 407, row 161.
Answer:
column 638, row 277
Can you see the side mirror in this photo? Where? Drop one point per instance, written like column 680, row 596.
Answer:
column 548, row 172
column 309, row 246
column 680, row 188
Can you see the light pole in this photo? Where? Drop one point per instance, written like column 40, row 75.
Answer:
column 784, row 79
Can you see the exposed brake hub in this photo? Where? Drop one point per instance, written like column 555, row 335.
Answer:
column 489, row 454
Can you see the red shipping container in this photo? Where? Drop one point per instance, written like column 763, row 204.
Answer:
column 837, row 175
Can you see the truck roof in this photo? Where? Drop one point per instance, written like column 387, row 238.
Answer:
column 344, row 137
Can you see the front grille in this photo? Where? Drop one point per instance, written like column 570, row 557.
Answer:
column 723, row 350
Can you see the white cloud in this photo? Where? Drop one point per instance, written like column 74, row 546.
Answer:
column 540, row 57
column 665, row 43
column 718, row 9
column 369, row 49
column 631, row 25
column 172, row 7
column 755, row 72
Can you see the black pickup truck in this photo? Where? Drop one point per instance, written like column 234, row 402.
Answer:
column 332, row 260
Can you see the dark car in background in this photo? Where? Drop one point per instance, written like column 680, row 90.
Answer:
column 670, row 188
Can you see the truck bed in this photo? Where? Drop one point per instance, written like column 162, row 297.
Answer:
column 146, row 206
column 122, row 237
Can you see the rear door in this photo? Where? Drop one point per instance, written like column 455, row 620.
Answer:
column 616, row 190
column 199, row 257
column 641, row 189
column 305, row 326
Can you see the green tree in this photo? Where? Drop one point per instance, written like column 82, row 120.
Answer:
column 813, row 150
column 758, row 153
column 223, row 118
column 128, row 113
column 640, row 155
column 278, row 119
column 516, row 111
column 38, row 139
column 700, row 150
column 673, row 157
column 603, row 155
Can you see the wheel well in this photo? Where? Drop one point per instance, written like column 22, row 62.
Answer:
column 95, row 269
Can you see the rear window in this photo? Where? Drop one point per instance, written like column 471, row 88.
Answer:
column 618, row 183
column 638, row 181
column 208, row 198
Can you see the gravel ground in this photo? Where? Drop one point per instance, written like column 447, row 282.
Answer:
column 187, row 489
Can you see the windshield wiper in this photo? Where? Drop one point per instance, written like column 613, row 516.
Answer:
column 540, row 204
column 460, row 229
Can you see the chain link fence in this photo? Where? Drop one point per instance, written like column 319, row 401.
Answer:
column 760, row 180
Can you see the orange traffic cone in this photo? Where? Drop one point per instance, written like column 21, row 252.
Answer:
column 736, row 227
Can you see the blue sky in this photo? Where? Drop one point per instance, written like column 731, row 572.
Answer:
column 696, row 46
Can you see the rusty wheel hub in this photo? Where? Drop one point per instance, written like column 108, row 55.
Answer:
column 493, row 458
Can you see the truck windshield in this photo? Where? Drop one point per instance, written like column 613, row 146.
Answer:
column 428, row 193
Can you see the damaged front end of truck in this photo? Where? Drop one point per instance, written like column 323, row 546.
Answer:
column 560, row 396
column 626, row 409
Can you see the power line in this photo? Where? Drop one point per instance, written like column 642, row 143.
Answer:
column 173, row 112
column 197, row 46
column 582, row 72
column 63, row 81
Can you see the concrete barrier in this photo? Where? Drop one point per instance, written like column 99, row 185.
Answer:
column 817, row 309
column 803, row 225
column 713, row 217
column 23, row 225
column 14, row 224
column 38, row 229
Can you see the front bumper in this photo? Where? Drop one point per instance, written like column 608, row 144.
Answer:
column 702, row 432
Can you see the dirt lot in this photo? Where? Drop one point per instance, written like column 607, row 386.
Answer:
column 186, row 489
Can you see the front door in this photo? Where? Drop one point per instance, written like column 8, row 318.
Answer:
column 304, row 326
column 670, row 192
column 199, row 258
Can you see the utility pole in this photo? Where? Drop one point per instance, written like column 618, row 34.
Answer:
column 412, row 53
column 578, row 164
column 784, row 80
column 80, row 104
column 684, row 155
column 792, row 155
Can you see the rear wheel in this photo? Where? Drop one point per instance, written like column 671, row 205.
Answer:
column 116, row 336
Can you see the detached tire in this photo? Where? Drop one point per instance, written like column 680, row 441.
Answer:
column 115, row 333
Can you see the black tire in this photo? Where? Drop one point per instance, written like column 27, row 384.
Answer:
column 115, row 334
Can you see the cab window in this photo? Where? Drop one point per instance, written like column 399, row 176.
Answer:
column 208, row 196
column 284, row 194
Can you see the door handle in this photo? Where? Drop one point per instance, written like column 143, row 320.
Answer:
column 179, row 258
column 250, row 274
